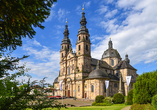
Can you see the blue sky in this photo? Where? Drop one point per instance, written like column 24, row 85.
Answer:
column 132, row 25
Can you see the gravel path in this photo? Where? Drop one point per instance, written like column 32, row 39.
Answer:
column 126, row 108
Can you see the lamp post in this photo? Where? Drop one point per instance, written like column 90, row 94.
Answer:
column 107, row 84
column 128, row 79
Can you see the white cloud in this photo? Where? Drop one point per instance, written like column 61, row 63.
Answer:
column 45, row 62
column 54, row 5
column 59, row 26
column 96, row 37
column 78, row 10
column 110, row 25
column 62, row 13
column 52, row 14
column 87, row 4
column 111, row 13
column 136, row 35
column 36, row 43
column 126, row 3
column 109, row 1
column 106, row 1
column 102, row 9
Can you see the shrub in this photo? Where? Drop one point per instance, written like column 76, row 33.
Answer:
column 99, row 99
column 129, row 98
column 108, row 100
column 142, row 107
column 154, row 101
column 93, row 104
column 118, row 98
column 145, row 88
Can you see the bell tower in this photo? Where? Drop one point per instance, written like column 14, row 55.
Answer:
column 66, row 43
column 83, row 46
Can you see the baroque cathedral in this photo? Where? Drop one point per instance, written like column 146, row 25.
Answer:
column 84, row 76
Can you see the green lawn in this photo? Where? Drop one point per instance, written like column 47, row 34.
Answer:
column 113, row 107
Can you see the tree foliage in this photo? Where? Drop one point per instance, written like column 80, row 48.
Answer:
column 10, row 63
column 5, row 85
column 145, row 88
column 23, row 100
column 130, row 97
column 17, row 18
column 154, row 101
column 118, row 98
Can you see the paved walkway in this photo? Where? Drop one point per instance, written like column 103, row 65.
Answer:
column 126, row 108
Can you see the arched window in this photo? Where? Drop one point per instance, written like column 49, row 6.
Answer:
column 69, row 70
column 62, row 55
column 112, row 54
column 79, row 37
column 104, row 87
column 87, row 47
column 92, row 88
column 62, row 47
column 68, row 46
column 86, row 37
column 79, row 47
column 112, row 62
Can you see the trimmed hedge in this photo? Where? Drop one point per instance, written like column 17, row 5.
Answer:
column 99, row 99
column 102, row 104
column 154, row 101
column 118, row 98
column 145, row 88
column 129, row 98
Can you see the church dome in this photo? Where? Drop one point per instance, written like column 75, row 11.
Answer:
column 111, row 53
column 98, row 73
column 56, row 80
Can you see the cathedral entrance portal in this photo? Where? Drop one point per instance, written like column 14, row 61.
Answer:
column 68, row 93
column 68, row 87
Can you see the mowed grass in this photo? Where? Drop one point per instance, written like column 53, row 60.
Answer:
column 112, row 107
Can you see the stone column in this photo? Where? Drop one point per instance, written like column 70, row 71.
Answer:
column 120, row 81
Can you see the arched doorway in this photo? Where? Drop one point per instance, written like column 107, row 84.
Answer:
column 68, row 87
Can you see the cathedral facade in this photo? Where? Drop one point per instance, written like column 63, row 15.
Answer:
column 84, row 76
